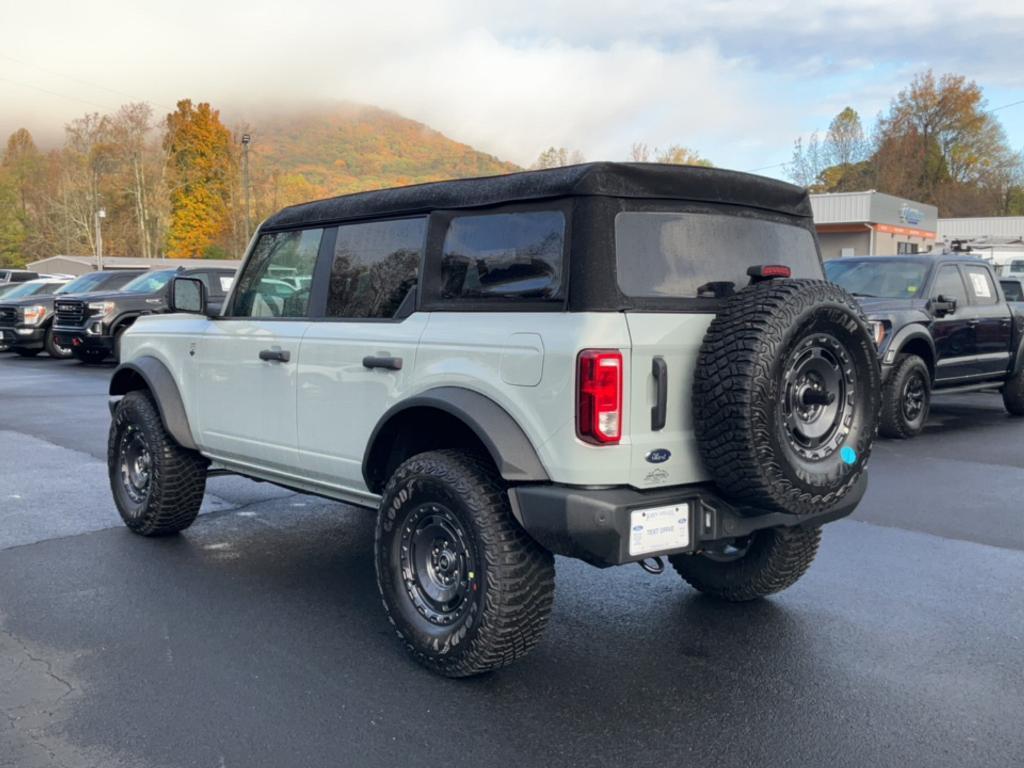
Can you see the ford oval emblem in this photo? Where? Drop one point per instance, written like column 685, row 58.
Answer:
column 658, row 455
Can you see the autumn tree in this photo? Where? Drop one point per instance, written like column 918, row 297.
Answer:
column 845, row 143
column 679, row 155
column 639, row 152
column 199, row 179
column 556, row 157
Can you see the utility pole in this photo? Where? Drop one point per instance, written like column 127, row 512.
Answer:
column 101, row 214
column 246, row 140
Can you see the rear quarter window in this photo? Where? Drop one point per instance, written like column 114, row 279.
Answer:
column 683, row 255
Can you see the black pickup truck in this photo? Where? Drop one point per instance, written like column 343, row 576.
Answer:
column 942, row 324
column 26, row 324
column 91, row 326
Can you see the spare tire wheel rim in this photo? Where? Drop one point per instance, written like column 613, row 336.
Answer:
column 818, row 387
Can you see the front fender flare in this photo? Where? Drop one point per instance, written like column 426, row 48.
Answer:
column 148, row 372
column 909, row 333
column 511, row 450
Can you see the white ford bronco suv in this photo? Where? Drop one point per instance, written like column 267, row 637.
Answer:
column 611, row 362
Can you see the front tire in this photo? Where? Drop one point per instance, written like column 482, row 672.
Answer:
column 906, row 398
column 467, row 590
column 158, row 486
column 766, row 562
column 55, row 350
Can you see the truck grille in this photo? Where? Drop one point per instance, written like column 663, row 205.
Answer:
column 8, row 315
column 70, row 312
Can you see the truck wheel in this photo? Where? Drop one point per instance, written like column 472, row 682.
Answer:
column 906, row 398
column 22, row 352
column 467, row 590
column 786, row 395
column 158, row 486
column 766, row 562
column 54, row 349
column 1013, row 394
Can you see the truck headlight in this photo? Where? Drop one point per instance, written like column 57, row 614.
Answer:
column 878, row 331
column 33, row 315
column 102, row 308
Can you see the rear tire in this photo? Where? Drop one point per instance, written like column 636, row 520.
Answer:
column 466, row 589
column 158, row 486
column 1013, row 394
column 55, row 350
column 906, row 398
column 769, row 561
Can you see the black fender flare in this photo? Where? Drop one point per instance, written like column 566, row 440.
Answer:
column 148, row 372
column 912, row 332
column 511, row 450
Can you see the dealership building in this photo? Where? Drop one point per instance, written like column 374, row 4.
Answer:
column 872, row 224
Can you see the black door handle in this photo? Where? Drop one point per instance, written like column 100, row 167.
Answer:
column 658, row 413
column 389, row 363
column 278, row 355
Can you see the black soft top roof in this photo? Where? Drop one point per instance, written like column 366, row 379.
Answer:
column 622, row 180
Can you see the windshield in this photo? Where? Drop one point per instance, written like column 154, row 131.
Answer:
column 28, row 289
column 704, row 255
column 83, row 284
column 150, row 282
column 877, row 279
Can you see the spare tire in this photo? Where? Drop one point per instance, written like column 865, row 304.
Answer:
column 786, row 396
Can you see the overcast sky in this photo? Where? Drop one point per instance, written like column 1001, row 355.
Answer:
column 736, row 80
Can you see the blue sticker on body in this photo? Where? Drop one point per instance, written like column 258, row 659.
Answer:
column 847, row 454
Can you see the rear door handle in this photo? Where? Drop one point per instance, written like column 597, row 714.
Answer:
column 276, row 355
column 383, row 361
column 659, row 412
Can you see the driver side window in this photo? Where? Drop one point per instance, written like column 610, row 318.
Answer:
column 277, row 279
column 950, row 285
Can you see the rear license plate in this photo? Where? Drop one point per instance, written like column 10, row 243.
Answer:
column 658, row 529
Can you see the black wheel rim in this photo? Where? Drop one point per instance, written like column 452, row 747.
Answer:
column 61, row 349
column 136, row 465
column 438, row 567
column 915, row 396
column 818, row 388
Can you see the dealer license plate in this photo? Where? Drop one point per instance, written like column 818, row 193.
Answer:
column 659, row 528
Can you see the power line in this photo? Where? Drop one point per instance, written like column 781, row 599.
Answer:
column 1005, row 106
column 54, row 93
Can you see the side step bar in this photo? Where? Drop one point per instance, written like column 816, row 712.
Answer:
column 992, row 386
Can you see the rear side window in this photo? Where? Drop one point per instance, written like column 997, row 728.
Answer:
column 375, row 267
column 980, row 285
column 504, row 256
column 1012, row 289
column 704, row 255
column 276, row 279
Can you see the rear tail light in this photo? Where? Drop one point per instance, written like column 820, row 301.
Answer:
column 599, row 396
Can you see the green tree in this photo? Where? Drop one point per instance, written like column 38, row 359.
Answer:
column 200, row 177
column 556, row 157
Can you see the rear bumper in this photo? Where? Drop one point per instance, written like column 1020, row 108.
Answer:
column 594, row 524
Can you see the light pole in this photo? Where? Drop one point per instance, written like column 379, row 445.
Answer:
column 100, row 215
column 246, row 140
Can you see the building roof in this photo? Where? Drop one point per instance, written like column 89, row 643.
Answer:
column 1004, row 229
column 128, row 262
column 628, row 180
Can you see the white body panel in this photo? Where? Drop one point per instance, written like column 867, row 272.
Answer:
column 307, row 422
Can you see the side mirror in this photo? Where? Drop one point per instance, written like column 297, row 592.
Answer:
column 943, row 305
column 188, row 295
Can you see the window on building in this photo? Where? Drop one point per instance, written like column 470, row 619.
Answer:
column 504, row 256
column 907, row 248
column 375, row 267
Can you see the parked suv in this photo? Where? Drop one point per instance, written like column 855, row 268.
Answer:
column 17, row 276
column 91, row 327
column 941, row 324
column 612, row 362
column 10, row 317
column 27, row 323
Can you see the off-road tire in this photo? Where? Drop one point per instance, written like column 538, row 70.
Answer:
column 1013, row 394
column 894, row 422
column 23, row 352
column 54, row 351
column 511, row 591
column 740, row 393
column 776, row 559
column 177, row 476
column 90, row 356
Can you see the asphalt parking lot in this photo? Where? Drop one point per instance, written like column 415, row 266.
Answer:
column 257, row 637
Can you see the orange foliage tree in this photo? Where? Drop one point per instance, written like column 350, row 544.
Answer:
column 201, row 172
